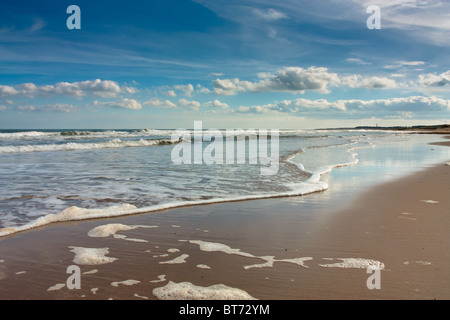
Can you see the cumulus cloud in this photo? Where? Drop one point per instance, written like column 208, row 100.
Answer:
column 98, row 88
column 125, row 103
column 300, row 80
column 215, row 104
column 170, row 93
column 358, row 81
column 187, row 89
column 57, row 107
column 157, row 103
column 288, row 79
column 354, row 108
column 167, row 104
column 435, row 80
column 7, row 91
column 193, row 105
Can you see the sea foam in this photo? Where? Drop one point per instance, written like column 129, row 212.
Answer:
column 188, row 291
column 91, row 256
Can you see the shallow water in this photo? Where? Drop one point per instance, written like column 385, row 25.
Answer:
column 106, row 173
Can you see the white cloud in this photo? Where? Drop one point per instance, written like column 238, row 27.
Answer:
column 38, row 24
column 157, row 103
column 300, row 80
column 170, row 93
column 357, row 61
column 99, row 88
column 405, row 107
column 288, row 79
column 216, row 74
column 7, row 91
column 269, row 14
column 358, row 81
column 3, row 107
column 186, row 89
column 57, row 107
column 125, row 103
column 193, row 105
column 435, row 80
column 404, row 64
column 215, row 104
column 167, row 104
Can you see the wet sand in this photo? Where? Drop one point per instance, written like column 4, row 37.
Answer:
column 402, row 224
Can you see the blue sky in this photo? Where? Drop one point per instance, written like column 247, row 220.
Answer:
column 261, row 64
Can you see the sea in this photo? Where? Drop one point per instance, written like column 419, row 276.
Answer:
column 50, row 176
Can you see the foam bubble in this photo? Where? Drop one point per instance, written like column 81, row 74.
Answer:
column 91, row 256
column 188, row 291
column 203, row 266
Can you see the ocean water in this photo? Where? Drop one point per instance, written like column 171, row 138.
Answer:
column 61, row 175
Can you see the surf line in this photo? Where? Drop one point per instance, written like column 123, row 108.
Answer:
column 191, row 149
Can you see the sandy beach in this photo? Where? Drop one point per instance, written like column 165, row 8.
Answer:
column 274, row 249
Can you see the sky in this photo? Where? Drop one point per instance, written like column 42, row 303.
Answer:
column 231, row 64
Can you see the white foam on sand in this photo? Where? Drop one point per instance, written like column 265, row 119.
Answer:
column 213, row 247
column 91, row 256
column 141, row 297
column 430, row 201
column 111, row 229
column 188, row 291
column 129, row 282
column 357, row 263
column 161, row 278
column 180, row 259
column 91, row 271
column 448, row 163
column 173, row 250
column 203, row 266
column 56, row 287
column 423, row 263
column 269, row 260
column 407, row 218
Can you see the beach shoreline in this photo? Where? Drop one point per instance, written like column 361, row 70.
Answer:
column 280, row 249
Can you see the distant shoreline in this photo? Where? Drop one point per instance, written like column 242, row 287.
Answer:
column 420, row 129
